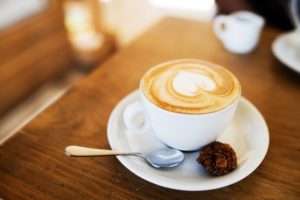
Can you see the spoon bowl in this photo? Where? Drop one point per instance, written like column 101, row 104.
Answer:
column 165, row 158
column 161, row 158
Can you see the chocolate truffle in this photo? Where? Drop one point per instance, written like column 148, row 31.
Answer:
column 217, row 158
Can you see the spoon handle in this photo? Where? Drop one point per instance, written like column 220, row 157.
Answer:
column 84, row 151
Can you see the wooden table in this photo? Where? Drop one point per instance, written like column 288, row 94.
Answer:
column 33, row 164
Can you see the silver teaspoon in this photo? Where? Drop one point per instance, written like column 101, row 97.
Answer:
column 161, row 158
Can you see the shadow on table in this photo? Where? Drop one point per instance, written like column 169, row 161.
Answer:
column 284, row 72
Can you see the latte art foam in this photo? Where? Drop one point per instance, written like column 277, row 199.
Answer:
column 189, row 83
column 190, row 86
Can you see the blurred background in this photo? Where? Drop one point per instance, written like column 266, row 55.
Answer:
column 46, row 46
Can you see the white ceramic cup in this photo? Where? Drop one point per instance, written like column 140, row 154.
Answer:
column 240, row 31
column 185, row 132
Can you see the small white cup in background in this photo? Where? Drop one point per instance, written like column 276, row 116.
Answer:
column 239, row 32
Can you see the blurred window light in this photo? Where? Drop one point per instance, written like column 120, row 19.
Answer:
column 104, row 1
column 200, row 5
column 77, row 18
column 87, row 41
column 79, row 23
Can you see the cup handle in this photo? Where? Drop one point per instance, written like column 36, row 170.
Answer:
column 130, row 116
column 220, row 21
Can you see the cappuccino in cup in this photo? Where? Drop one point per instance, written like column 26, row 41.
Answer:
column 190, row 87
column 187, row 103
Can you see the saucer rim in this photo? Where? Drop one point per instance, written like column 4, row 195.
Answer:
column 171, row 185
column 284, row 59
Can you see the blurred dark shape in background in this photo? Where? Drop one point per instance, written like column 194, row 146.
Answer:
column 276, row 12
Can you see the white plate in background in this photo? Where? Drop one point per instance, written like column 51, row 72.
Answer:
column 286, row 48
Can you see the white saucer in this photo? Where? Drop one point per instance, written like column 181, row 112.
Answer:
column 247, row 134
column 286, row 48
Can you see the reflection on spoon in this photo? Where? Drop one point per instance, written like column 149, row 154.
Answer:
column 161, row 158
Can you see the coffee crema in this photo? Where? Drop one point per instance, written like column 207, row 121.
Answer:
column 190, row 86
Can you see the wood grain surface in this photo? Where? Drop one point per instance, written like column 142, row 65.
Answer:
column 33, row 164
